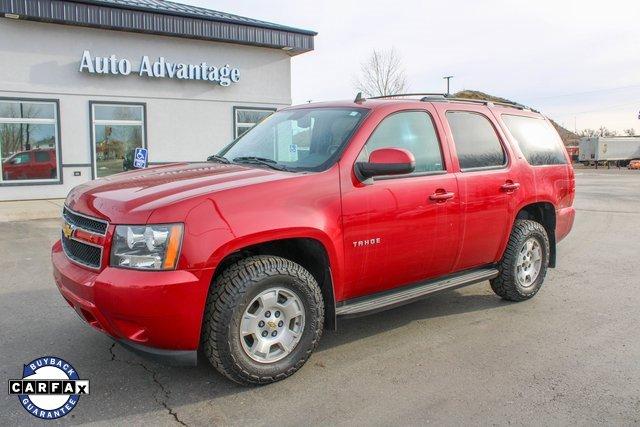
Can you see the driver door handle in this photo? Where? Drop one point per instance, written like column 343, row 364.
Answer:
column 441, row 196
column 509, row 186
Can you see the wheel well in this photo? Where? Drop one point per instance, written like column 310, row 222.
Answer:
column 307, row 252
column 545, row 214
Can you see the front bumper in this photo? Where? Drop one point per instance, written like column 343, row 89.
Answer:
column 158, row 313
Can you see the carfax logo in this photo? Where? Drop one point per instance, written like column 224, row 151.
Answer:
column 50, row 387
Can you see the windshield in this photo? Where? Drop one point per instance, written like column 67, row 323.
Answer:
column 302, row 139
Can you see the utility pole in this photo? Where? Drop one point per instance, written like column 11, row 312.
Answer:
column 448, row 79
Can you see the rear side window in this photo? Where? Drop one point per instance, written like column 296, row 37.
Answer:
column 537, row 140
column 476, row 141
column 413, row 131
column 42, row 156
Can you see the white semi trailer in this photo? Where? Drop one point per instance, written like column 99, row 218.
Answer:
column 620, row 149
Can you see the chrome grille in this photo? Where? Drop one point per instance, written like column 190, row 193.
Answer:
column 84, row 222
column 77, row 250
column 82, row 253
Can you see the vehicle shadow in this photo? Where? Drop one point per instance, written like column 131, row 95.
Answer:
column 119, row 377
column 447, row 303
column 204, row 383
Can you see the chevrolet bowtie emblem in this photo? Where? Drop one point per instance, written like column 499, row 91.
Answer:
column 67, row 230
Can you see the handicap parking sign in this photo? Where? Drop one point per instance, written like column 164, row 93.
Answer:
column 140, row 158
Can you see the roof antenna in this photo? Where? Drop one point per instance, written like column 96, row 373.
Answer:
column 359, row 98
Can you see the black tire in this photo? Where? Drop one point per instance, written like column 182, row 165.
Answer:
column 228, row 298
column 506, row 285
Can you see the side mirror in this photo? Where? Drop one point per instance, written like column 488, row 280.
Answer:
column 386, row 161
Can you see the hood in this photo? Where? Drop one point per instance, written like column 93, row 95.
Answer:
column 131, row 197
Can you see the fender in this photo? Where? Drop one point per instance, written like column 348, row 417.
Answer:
column 266, row 236
column 551, row 233
column 331, row 272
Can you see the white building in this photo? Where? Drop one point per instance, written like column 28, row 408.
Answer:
column 85, row 82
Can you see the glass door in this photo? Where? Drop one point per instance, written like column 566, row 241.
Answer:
column 118, row 129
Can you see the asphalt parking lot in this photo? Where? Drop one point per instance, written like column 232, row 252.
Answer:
column 569, row 356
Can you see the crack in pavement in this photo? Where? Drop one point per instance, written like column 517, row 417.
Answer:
column 156, row 380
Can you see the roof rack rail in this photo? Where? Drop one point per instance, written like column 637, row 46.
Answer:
column 400, row 95
column 481, row 101
column 444, row 97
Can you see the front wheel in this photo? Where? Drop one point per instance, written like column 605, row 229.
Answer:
column 524, row 263
column 264, row 318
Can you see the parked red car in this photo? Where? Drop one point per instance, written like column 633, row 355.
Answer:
column 39, row 163
column 248, row 256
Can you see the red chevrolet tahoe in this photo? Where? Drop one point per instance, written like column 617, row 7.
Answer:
column 320, row 211
column 39, row 163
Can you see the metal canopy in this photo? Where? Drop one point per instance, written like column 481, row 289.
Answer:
column 164, row 18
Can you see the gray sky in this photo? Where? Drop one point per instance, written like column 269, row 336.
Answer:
column 576, row 61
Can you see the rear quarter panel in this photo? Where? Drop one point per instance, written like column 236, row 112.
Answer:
column 554, row 184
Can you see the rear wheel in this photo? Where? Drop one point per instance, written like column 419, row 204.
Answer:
column 524, row 264
column 263, row 320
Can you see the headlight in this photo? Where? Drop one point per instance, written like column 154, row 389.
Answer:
column 146, row 247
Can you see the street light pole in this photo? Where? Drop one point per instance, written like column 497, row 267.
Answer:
column 448, row 79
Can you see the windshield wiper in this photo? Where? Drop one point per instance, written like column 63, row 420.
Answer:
column 261, row 161
column 217, row 158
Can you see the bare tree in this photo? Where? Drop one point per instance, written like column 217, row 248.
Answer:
column 382, row 74
column 601, row 131
column 589, row 133
column 630, row 132
column 604, row 131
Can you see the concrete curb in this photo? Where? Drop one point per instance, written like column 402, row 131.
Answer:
column 30, row 209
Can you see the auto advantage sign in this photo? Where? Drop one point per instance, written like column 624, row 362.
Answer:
column 160, row 68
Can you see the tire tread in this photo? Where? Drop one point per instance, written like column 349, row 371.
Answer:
column 227, row 289
column 505, row 284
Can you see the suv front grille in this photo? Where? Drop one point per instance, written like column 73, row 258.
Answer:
column 77, row 249
column 85, row 222
column 82, row 253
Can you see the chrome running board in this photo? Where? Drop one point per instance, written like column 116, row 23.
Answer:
column 396, row 297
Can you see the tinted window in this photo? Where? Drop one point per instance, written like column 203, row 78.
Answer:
column 413, row 131
column 42, row 156
column 476, row 141
column 537, row 140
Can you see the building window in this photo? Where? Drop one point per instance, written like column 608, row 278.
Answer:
column 29, row 143
column 246, row 118
column 117, row 129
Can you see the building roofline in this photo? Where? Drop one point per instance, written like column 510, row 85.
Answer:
column 196, row 12
column 163, row 18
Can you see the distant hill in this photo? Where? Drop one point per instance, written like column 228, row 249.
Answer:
column 568, row 137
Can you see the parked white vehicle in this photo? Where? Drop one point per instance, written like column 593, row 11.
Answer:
column 601, row 149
